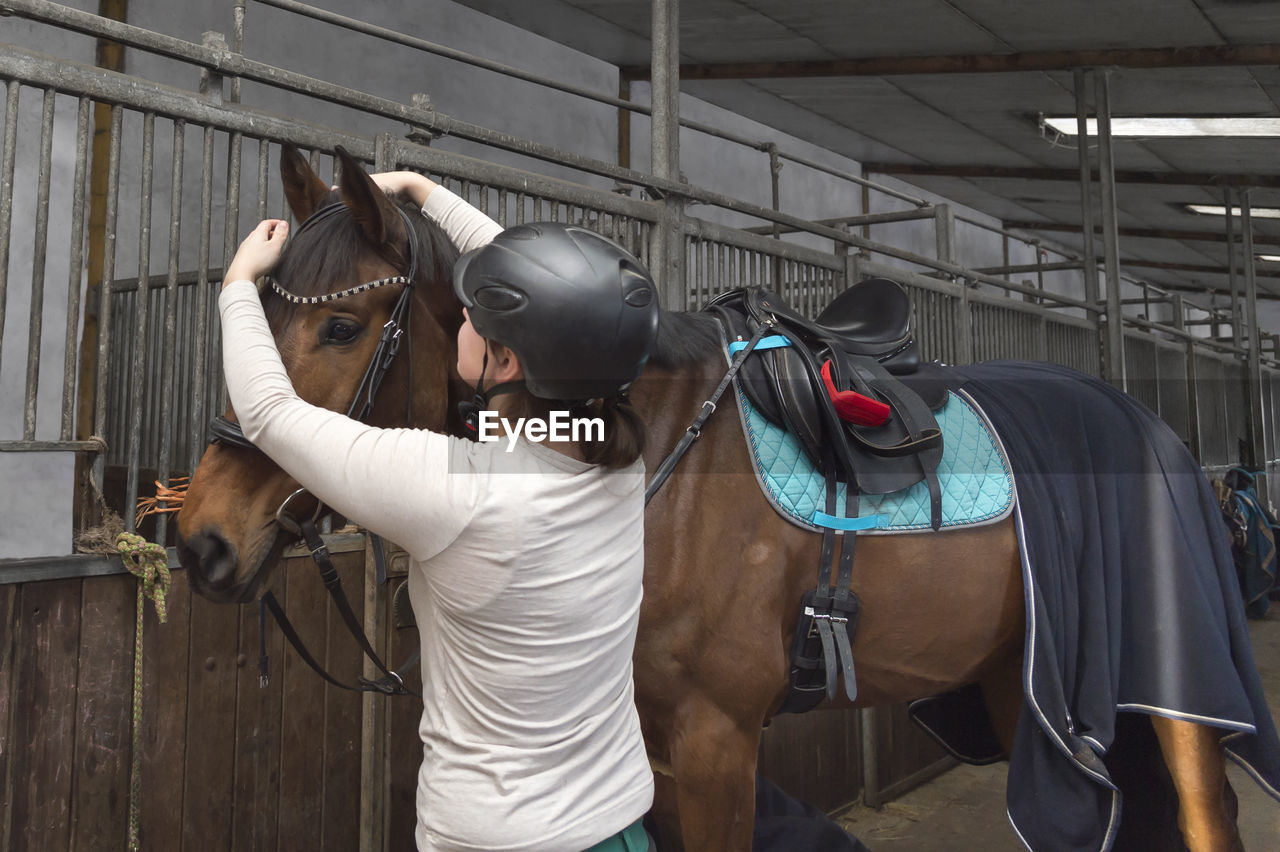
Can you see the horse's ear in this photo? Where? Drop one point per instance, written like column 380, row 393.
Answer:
column 303, row 189
column 373, row 210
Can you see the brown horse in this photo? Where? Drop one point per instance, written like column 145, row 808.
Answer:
column 721, row 582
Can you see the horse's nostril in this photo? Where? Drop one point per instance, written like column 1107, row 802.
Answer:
column 214, row 557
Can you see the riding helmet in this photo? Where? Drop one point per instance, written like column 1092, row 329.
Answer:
column 578, row 310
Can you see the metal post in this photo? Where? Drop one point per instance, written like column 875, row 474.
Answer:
column 1231, row 270
column 237, row 42
column 1086, row 187
column 1254, row 433
column 624, row 124
column 1115, row 368
column 668, row 246
column 1193, row 411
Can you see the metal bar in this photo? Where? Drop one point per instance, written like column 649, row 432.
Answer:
column 1051, row 174
column 104, row 287
column 1142, row 233
column 48, row 446
column 1115, row 371
column 200, row 370
column 1234, row 282
column 1085, row 176
column 141, row 307
column 168, row 367
column 6, row 192
column 1206, row 56
column 1253, row 396
column 665, row 148
column 38, row 261
column 924, row 212
column 1030, row 267
column 75, row 268
column 237, row 42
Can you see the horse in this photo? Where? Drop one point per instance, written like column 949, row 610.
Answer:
column 723, row 577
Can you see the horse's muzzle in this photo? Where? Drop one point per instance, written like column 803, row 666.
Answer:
column 210, row 561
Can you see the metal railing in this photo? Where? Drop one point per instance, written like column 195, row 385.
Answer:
column 154, row 369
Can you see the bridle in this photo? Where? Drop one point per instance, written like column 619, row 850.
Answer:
column 225, row 431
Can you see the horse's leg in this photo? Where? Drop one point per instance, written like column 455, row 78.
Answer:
column 1199, row 773
column 1002, row 693
column 714, row 761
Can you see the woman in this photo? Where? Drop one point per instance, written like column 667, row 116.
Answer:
column 526, row 557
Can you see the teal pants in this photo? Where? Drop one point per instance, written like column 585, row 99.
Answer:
column 630, row 839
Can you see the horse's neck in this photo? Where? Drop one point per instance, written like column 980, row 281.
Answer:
column 669, row 398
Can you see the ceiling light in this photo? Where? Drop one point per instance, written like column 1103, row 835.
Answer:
column 1173, row 127
column 1270, row 258
column 1219, row 210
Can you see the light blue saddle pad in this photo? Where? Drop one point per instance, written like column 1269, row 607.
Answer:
column 977, row 485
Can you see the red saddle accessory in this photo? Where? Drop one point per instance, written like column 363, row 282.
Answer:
column 857, row 408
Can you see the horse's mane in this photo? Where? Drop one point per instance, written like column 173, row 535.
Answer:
column 322, row 258
column 685, row 338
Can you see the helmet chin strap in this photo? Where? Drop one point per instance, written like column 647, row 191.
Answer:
column 470, row 411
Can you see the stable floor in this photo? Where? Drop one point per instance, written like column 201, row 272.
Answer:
column 964, row 809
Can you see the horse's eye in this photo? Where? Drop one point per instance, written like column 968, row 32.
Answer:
column 340, row 331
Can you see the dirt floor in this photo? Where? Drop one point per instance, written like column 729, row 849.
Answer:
column 964, row 809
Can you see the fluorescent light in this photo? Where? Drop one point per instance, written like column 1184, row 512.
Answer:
column 1270, row 258
column 1173, row 127
column 1219, row 210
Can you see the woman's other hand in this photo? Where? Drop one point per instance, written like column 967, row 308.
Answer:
column 259, row 252
column 411, row 184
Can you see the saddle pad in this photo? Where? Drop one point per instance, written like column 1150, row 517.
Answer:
column 977, row 484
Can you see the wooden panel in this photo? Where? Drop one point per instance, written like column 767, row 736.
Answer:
column 44, row 715
column 302, row 730
column 164, row 712
column 342, row 714
column 211, row 684
column 257, row 745
column 9, row 641
column 908, row 756
column 104, row 710
column 814, row 757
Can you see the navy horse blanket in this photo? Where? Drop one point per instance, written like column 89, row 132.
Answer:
column 1132, row 599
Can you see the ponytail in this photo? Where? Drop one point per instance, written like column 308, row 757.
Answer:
column 623, row 433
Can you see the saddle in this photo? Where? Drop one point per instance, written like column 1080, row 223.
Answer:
column 851, row 387
column 850, row 383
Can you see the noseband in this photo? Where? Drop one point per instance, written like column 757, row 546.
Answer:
column 223, row 430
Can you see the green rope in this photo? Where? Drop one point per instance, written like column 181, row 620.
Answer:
column 150, row 564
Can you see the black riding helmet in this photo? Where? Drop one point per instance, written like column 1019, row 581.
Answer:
column 579, row 311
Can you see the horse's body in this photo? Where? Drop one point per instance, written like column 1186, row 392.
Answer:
column 723, row 576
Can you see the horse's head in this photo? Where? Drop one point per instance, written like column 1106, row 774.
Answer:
column 228, row 536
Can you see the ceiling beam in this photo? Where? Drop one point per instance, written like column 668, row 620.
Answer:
column 1144, row 233
column 1041, row 60
column 1072, row 175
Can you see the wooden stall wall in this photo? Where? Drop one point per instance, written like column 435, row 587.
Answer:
column 226, row 763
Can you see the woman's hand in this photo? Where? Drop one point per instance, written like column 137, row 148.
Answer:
column 258, row 253
column 411, row 184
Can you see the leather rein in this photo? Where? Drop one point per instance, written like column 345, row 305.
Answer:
column 225, row 431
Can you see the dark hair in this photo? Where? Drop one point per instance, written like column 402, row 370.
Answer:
column 624, row 431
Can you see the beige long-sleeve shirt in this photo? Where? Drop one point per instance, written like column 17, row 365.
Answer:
column 525, row 581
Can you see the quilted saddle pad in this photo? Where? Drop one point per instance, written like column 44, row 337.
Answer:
column 974, row 474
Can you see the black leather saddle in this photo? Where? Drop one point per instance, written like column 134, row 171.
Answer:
column 864, row 339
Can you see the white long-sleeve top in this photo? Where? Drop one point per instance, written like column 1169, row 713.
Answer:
column 525, row 580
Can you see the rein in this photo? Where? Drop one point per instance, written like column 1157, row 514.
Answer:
column 226, row 431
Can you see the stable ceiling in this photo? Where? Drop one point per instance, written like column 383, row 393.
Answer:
column 972, row 136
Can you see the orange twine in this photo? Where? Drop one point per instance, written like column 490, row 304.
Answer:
column 170, row 495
